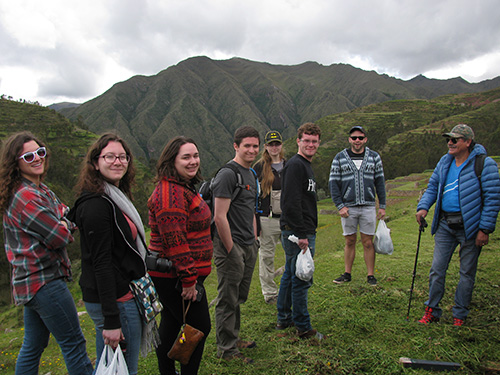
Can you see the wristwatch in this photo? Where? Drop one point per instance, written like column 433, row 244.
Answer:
column 485, row 231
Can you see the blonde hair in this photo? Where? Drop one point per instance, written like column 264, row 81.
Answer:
column 267, row 175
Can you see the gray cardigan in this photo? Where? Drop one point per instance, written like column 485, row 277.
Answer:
column 352, row 187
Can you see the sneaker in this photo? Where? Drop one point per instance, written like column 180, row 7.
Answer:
column 458, row 322
column 244, row 344
column 428, row 317
column 371, row 280
column 344, row 278
column 312, row 333
column 284, row 325
column 271, row 300
column 239, row 356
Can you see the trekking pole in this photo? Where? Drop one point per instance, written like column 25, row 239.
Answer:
column 423, row 225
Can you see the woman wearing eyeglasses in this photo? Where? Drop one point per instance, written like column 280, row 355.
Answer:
column 36, row 234
column 112, row 245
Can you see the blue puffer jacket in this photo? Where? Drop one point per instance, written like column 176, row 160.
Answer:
column 476, row 214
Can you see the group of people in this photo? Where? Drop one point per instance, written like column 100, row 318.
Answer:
column 253, row 209
column 38, row 227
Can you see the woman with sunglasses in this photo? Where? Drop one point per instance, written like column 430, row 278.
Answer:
column 36, row 234
column 113, row 246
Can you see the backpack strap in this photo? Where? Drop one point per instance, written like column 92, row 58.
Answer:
column 478, row 169
column 239, row 180
column 479, row 165
column 240, row 185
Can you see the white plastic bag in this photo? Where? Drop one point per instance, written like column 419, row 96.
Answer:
column 382, row 241
column 112, row 363
column 304, row 267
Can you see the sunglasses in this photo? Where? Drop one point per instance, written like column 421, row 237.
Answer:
column 453, row 140
column 274, row 144
column 360, row 137
column 29, row 157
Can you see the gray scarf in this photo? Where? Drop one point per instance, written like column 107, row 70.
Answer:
column 126, row 206
column 150, row 337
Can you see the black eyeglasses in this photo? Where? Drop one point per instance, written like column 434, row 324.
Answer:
column 360, row 137
column 453, row 140
column 111, row 158
column 29, row 157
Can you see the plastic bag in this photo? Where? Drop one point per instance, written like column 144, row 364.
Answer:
column 382, row 241
column 112, row 363
column 304, row 267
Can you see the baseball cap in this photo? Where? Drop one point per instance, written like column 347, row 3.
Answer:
column 460, row 131
column 358, row 128
column 273, row 136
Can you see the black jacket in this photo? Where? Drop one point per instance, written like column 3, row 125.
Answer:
column 110, row 259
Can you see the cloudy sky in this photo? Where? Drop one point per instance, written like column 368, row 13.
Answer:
column 64, row 50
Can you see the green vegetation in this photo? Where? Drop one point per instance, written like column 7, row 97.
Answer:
column 366, row 328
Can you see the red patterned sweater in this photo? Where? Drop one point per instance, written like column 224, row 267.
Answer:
column 180, row 230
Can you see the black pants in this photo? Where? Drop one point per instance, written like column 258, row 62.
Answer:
column 198, row 316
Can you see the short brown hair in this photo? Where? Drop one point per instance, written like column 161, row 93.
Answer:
column 308, row 128
column 245, row 132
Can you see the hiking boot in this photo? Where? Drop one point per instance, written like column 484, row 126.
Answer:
column 283, row 325
column 458, row 322
column 245, row 344
column 428, row 317
column 371, row 280
column 312, row 333
column 239, row 356
column 344, row 278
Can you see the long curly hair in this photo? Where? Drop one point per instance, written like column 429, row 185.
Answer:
column 91, row 180
column 10, row 174
column 267, row 176
column 165, row 167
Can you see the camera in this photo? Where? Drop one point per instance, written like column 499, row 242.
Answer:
column 154, row 263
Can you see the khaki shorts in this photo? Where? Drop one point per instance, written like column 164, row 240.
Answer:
column 364, row 216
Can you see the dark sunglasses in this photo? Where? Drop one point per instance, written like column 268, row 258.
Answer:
column 360, row 137
column 29, row 157
column 453, row 140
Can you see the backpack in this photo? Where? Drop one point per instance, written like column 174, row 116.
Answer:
column 206, row 191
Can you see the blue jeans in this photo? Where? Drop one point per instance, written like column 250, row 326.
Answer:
column 292, row 296
column 445, row 242
column 131, row 328
column 52, row 310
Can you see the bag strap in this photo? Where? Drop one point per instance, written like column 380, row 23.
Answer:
column 185, row 310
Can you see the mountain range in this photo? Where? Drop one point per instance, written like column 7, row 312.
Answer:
column 209, row 99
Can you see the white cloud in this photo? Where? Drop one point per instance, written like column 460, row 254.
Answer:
column 55, row 50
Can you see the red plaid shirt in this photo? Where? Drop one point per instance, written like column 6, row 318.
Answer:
column 35, row 240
